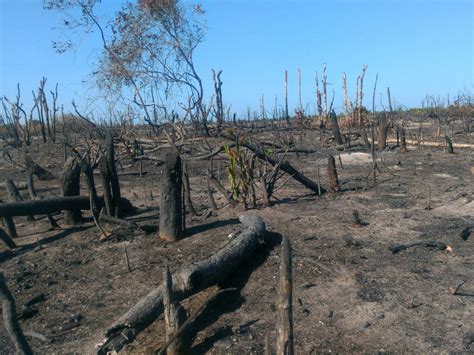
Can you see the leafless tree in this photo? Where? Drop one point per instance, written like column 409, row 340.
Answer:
column 147, row 54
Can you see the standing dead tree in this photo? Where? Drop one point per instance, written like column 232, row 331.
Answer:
column 148, row 54
column 70, row 186
column 284, row 344
column 219, row 110
column 109, row 178
column 171, row 211
column 13, row 119
column 335, row 129
column 449, row 145
column 332, row 174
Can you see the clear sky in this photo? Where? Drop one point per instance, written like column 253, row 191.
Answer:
column 417, row 47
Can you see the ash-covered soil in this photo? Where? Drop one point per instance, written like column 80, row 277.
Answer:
column 351, row 294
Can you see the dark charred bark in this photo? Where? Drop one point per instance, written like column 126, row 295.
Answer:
column 5, row 238
column 14, row 195
column 382, row 132
column 187, row 282
column 34, row 196
column 403, row 141
column 335, row 129
column 37, row 170
column 55, row 204
column 70, row 186
column 10, row 319
column 8, row 222
column 449, row 144
column 171, row 212
column 109, row 177
column 284, row 303
column 187, row 189
column 332, row 174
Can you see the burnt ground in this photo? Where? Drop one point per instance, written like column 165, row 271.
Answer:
column 351, row 294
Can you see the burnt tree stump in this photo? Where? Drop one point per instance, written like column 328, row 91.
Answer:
column 284, row 344
column 171, row 211
column 449, row 144
column 403, row 141
column 175, row 316
column 14, row 195
column 9, row 224
column 335, row 129
column 69, row 180
column 332, row 174
column 109, row 177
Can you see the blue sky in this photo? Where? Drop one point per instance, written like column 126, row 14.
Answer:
column 417, row 47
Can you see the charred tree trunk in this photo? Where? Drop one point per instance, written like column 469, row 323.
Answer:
column 41, row 173
column 70, row 186
column 175, row 316
column 45, row 206
column 5, row 238
column 10, row 319
column 403, row 141
column 210, row 197
column 171, row 212
column 332, row 174
column 335, row 129
column 187, row 282
column 449, row 144
column 109, row 177
column 382, row 132
column 114, row 181
column 105, row 180
column 284, row 303
column 8, row 222
column 187, row 189
column 34, row 196
column 93, row 198
column 14, row 195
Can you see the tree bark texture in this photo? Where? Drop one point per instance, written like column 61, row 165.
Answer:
column 187, row 282
column 70, row 186
column 171, row 209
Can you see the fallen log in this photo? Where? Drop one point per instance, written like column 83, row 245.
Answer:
column 50, row 205
column 428, row 243
column 187, row 282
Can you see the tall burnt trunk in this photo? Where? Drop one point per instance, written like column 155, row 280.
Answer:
column 171, row 214
column 109, row 177
column 70, row 179
column 335, row 129
column 332, row 174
